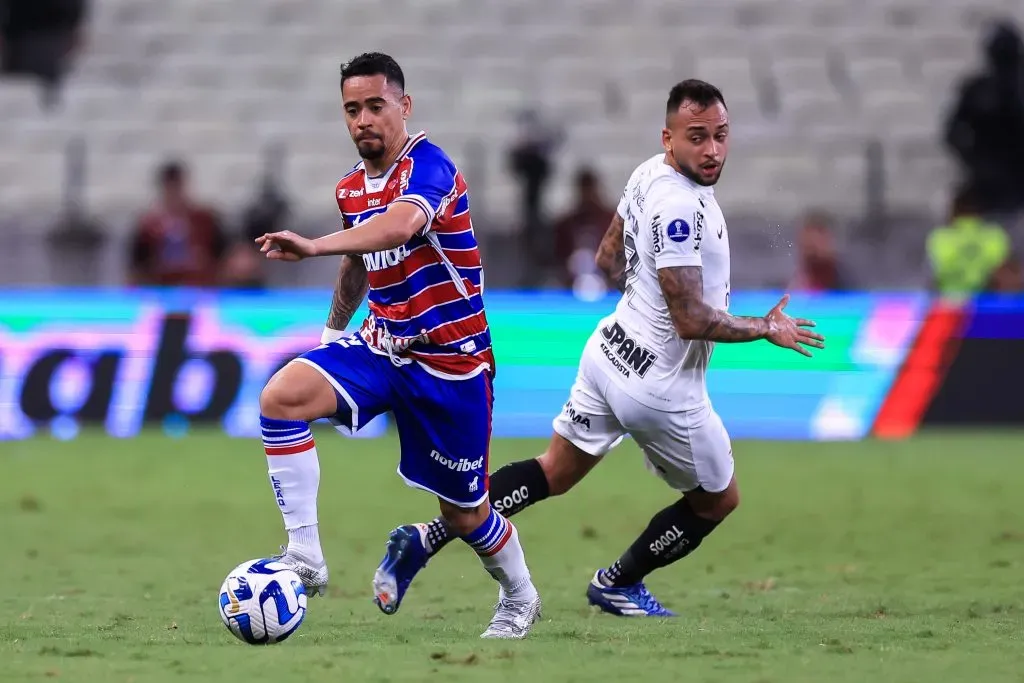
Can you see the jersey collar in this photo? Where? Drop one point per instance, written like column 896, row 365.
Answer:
column 409, row 144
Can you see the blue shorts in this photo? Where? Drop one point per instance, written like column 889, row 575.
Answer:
column 444, row 425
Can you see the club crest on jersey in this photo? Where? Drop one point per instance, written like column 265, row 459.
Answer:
column 698, row 228
column 678, row 230
column 625, row 353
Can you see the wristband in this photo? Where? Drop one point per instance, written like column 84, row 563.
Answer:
column 330, row 335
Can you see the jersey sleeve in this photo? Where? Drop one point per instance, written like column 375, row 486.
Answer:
column 677, row 226
column 430, row 181
column 623, row 204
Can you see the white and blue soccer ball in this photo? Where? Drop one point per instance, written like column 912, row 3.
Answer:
column 262, row 602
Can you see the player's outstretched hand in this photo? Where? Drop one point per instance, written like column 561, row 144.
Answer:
column 791, row 333
column 286, row 246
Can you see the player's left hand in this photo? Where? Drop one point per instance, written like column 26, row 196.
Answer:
column 792, row 333
column 286, row 246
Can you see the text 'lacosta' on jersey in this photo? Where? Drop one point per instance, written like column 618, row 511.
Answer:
column 425, row 296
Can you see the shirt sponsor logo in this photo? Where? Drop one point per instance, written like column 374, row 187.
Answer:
column 656, row 242
column 381, row 260
column 624, row 353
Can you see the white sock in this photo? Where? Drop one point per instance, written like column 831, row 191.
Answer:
column 496, row 542
column 294, row 471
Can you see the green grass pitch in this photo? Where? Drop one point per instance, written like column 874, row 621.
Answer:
column 845, row 562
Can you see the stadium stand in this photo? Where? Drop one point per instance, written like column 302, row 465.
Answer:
column 811, row 84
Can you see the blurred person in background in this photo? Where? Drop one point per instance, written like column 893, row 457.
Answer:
column 818, row 266
column 986, row 128
column 267, row 212
column 40, row 38
column 1008, row 278
column 177, row 241
column 578, row 232
column 965, row 254
column 530, row 162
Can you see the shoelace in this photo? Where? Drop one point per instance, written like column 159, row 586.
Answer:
column 645, row 600
column 504, row 615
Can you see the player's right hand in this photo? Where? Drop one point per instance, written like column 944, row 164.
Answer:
column 286, row 246
column 791, row 333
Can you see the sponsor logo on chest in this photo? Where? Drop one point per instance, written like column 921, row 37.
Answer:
column 381, row 260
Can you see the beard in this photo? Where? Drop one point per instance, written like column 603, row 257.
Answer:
column 697, row 175
column 371, row 149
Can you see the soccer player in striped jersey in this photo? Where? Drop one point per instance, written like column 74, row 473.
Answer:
column 423, row 352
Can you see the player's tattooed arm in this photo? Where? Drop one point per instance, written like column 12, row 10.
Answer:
column 349, row 292
column 683, row 287
column 611, row 255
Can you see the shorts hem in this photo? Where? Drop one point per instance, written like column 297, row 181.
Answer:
column 714, row 490
column 586, row 448
column 348, row 429
column 460, row 503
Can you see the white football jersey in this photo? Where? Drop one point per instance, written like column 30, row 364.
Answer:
column 669, row 221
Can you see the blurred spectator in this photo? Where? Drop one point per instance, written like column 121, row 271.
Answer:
column 579, row 231
column 530, row 163
column 244, row 267
column 40, row 38
column 986, row 129
column 818, row 267
column 177, row 242
column 967, row 253
column 1008, row 278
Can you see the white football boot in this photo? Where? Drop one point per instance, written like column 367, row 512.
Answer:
column 314, row 577
column 512, row 618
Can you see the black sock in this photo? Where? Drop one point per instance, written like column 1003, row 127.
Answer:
column 514, row 488
column 672, row 534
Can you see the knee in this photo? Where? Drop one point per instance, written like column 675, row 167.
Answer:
column 281, row 402
column 729, row 502
column 296, row 395
column 715, row 506
column 464, row 521
column 725, row 504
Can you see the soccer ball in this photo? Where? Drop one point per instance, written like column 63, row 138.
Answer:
column 262, row 602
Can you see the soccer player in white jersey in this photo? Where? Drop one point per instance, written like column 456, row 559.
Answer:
column 643, row 370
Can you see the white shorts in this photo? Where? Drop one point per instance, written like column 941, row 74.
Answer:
column 685, row 449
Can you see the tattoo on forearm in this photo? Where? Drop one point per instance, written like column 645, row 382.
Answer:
column 683, row 288
column 611, row 255
column 349, row 292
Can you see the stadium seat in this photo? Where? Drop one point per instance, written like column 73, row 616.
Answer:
column 215, row 82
